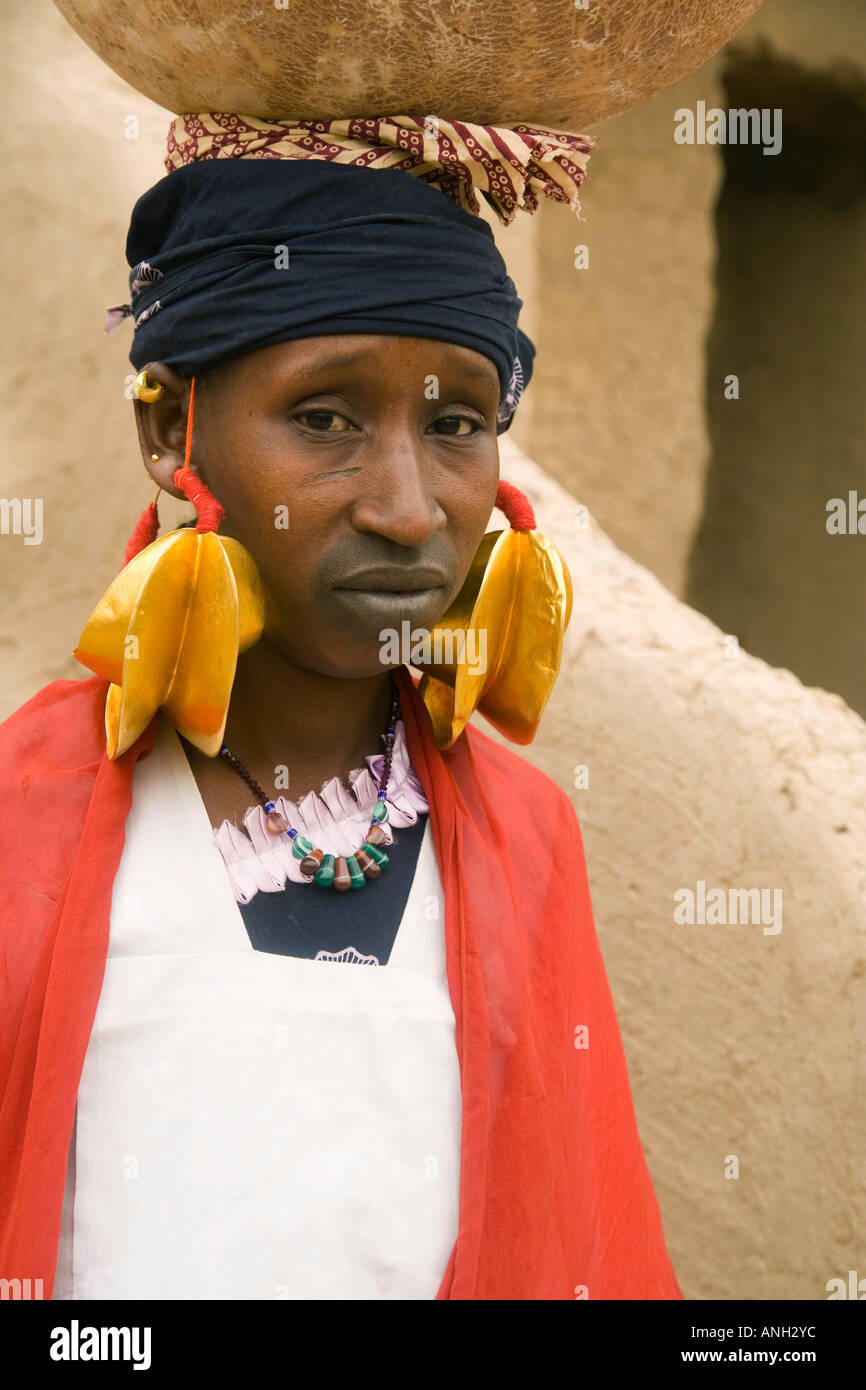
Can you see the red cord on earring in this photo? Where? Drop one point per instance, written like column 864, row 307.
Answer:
column 210, row 511
column 516, row 506
column 146, row 529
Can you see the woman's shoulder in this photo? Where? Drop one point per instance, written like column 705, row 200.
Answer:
column 62, row 726
column 502, row 767
column 518, row 804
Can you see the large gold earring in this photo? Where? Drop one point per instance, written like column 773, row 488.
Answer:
column 499, row 645
column 167, row 633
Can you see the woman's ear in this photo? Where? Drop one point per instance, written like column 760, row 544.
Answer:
column 161, row 426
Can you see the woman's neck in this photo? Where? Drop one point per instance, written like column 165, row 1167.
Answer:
column 288, row 724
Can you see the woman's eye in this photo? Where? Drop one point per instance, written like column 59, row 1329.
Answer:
column 458, row 420
column 332, row 422
column 326, row 421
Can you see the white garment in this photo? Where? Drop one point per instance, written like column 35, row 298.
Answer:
column 248, row 1125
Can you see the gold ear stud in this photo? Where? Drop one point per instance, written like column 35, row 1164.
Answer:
column 154, row 458
column 145, row 391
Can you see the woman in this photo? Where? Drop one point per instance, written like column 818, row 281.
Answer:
column 203, row 1095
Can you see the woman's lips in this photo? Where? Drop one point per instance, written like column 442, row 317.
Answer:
column 372, row 610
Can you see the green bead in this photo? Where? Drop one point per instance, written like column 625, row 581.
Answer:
column 380, row 812
column 301, row 847
column 325, row 876
column 356, row 873
column 376, row 854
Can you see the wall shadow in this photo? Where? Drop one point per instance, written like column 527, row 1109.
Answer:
column 790, row 323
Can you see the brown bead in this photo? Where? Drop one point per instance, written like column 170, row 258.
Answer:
column 276, row 823
column 342, row 877
column 377, row 836
column 310, row 865
column 368, row 866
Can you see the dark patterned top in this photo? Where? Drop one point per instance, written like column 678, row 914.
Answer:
column 359, row 925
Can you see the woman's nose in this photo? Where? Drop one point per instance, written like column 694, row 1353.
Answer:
column 396, row 500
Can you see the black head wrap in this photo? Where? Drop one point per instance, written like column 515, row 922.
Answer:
column 232, row 255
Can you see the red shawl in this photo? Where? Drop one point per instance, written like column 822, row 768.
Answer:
column 555, row 1198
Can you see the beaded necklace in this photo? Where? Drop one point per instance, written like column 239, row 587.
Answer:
column 328, row 871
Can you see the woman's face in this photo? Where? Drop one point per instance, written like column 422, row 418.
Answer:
column 359, row 471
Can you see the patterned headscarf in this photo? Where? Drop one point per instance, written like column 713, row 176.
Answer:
column 510, row 166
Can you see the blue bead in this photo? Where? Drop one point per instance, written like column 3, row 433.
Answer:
column 291, row 833
column 269, row 806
